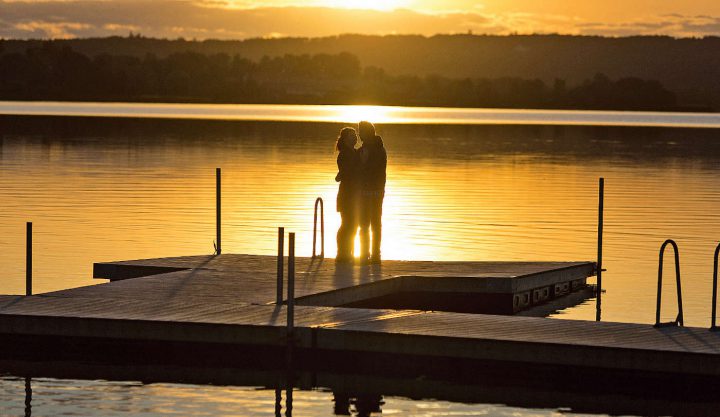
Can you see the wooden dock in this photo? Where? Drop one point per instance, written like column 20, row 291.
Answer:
column 470, row 287
column 228, row 301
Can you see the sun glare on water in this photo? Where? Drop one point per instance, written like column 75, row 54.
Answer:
column 354, row 114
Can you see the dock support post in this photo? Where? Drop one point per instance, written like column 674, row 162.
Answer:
column 290, row 310
column 218, row 247
column 280, row 266
column 319, row 203
column 28, row 259
column 601, row 208
column 291, row 286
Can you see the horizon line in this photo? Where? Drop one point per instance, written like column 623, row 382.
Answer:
column 138, row 35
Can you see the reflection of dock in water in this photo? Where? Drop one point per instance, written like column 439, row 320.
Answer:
column 213, row 309
column 513, row 385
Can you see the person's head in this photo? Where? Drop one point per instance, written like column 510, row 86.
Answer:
column 367, row 131
column 347, row 139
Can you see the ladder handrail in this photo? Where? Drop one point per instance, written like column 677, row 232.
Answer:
column 319, row 201
column 679, row 320
column 714, row 289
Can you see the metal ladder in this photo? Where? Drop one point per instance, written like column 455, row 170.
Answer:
column 319, row 202
column 679, row 320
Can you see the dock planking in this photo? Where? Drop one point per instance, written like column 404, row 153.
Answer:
column 446, row 286
column 406, row 333
column 229, row 300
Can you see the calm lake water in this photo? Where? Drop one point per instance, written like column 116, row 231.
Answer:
column 103, row 189
column 54, row 397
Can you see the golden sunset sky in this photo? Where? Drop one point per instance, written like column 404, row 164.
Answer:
column 225, row 19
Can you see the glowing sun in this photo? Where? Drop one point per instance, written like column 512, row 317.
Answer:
column 382, row 5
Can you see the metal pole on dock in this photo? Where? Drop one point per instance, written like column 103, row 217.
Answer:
column 290, row 313
column 28, row 259
column 714, row 289
column 319, row 203
column 601, row 208
column 291, row 286
column 280, row 265
column 218, row 248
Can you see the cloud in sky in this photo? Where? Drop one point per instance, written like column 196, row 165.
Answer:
column 671, row 24
column 228, row 19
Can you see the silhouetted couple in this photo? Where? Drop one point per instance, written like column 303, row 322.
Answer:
column 361, row 173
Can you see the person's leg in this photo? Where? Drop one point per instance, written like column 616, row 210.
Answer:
column 376, row 226
column 352, row 228
column 341, row 237
column 364, row 222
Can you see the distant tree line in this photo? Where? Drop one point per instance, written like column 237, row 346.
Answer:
column 689, row 67
column 52, row 71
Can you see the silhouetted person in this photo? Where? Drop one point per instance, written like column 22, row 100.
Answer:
column 348, row 176
column 372, row 191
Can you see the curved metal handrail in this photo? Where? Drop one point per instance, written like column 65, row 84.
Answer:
column 319, row 201
column 714, row 289
column 679, row 320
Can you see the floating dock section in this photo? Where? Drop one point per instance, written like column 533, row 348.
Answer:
column 463, row 287
column 227, row 302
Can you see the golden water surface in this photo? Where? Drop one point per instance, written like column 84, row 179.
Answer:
column 102, row 189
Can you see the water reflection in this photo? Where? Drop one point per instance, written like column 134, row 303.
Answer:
column 288, row 401
column 109, row 189
column 361, row 406
column 114, row 391
column 353, row 114
column 278, row 402
column 28, row 397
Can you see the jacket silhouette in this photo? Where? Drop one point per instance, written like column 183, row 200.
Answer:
column 372, row 192
column 348, row 162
